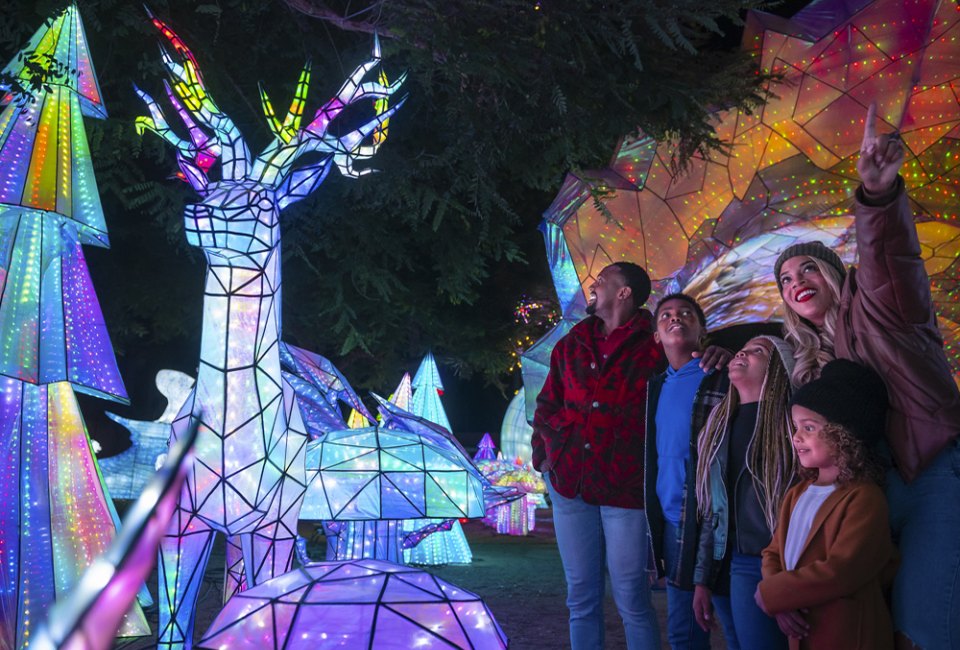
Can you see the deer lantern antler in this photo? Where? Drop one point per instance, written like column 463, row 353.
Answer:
column 273, row 167
column 194, row 104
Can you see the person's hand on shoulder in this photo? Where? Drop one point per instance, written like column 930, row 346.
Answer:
column 714, row 357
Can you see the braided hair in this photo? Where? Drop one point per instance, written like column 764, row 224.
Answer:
column 770, row 457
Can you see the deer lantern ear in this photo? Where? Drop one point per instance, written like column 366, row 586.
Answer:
column 301, row 182
column 193, row 174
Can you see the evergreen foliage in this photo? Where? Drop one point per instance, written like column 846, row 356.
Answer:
column 505, row 97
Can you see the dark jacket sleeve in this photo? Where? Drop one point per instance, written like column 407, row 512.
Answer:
column 891, row 270
column 651, row 469
column 704, row 571
column 549, row 403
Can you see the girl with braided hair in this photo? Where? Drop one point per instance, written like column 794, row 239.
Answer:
column 745, row 464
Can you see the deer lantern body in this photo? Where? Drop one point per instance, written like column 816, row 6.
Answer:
column 248, row 477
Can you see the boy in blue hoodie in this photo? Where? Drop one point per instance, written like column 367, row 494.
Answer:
column 678, row 403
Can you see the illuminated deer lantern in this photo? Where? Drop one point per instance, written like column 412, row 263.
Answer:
column 248, row 477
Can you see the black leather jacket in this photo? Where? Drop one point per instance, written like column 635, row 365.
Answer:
column 751, row 534
column 712, row 389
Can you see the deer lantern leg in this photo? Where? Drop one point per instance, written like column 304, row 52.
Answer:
column 234, row 578
column 184, row 553
column 272, row 543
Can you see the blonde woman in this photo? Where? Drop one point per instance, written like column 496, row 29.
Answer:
column 881, row 315
column 745, row 464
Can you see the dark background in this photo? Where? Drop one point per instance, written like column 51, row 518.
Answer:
column 436, row 251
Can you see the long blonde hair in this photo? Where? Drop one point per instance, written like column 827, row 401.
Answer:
column 814, row 347
column 770, row 457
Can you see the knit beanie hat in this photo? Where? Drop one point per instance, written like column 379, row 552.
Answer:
column 785, row 350
column 809, row 249
column 850, row 395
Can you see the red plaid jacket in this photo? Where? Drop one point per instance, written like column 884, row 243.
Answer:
column 588, row 430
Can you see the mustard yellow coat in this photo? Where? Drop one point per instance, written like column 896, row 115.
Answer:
column 840, row 575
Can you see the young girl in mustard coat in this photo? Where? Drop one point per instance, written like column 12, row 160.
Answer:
column 831, row 556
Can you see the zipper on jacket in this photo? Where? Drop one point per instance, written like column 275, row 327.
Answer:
column 721, row 479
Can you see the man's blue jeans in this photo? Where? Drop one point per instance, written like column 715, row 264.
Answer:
column 590, row 539
column 683, row 633
column 925, row 519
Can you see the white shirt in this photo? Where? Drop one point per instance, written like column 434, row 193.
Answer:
column 801, row 520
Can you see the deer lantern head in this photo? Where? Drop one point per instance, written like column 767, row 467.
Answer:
column 237, row 216
column 235, row 221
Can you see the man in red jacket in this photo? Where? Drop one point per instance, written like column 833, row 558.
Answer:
column 588, row 441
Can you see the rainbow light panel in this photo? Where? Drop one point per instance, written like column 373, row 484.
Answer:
column 55, row 521
column 791, row 172
column 89, row 616
column 56, row 518
column 52, row 325
column 363, row 604
column 255, row 400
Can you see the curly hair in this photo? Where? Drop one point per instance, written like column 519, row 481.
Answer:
column 855, row 461
column 813, row 345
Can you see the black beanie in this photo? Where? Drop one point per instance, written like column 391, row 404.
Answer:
column 809, row 249
column 850, row 395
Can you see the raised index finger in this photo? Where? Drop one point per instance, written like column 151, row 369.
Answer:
column 870, row 125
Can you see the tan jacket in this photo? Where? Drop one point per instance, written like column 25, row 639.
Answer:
column 840, row 574
column 887, row 323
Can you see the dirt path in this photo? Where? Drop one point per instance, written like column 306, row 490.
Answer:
column 520, row 578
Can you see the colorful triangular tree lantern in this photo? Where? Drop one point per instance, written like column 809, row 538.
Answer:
column 404, row 393
column 356, row 420
column 427, row 389
column 486, row 450
column 56, row 519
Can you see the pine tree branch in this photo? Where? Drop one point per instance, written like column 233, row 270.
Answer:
column 319, row 10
